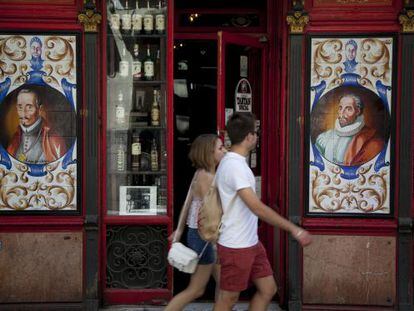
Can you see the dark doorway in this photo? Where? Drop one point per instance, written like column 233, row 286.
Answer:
column 195, row 110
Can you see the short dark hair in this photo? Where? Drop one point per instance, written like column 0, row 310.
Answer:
column 239, row 126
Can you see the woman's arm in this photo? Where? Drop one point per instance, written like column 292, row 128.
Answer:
column 176, row 235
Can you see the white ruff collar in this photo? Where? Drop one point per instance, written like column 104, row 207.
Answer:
column 28, row 129
column 350, row 130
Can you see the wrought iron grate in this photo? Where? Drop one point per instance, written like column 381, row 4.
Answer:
column 136, row 257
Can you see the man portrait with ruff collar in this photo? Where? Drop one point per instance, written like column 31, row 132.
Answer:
column 351, row 142
column 33, row 142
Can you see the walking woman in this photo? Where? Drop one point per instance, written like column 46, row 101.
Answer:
column 206, row 152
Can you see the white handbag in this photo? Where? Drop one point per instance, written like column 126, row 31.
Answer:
column 182, row 258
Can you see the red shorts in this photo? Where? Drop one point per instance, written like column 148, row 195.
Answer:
column 241, row 265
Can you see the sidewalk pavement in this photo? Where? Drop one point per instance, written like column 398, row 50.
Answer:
column 191, row 307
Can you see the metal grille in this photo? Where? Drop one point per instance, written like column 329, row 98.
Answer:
column 136, row 257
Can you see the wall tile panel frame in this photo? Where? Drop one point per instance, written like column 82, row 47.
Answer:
column 341, row 182
column 41, row 178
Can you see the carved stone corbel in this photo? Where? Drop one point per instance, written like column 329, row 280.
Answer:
column 298, row 18
column 90, row 17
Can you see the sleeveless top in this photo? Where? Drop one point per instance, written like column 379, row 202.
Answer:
column 193, row 212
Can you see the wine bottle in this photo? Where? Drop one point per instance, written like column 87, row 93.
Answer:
column 160, row 20
column 148, row 66
column 137, row 19
column 121, row 156
column 155, row 110
column 148, row 20
column 136, row 64
column 120, row 118
column 253, row 158
column 114, row 17
column 123, row 64
column 157, row 66
column 135, row 152
column 139, row 115
column 154, row 156
column 126, row 19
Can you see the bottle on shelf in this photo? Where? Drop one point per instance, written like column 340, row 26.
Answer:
column 148, row 65
column 253, row 158
column 121, row 160
column 137, row 19
column 120, row 117
column 148, row 20
column 123, row 64
column 157, row 66
column 135, row 152
column 115, row 19
column 126, row 19
column 136, row 64
column 161, row 195
column 154, row 156
column 163, row 159
column 155, row 110
column 139, row 115
column 160, row 19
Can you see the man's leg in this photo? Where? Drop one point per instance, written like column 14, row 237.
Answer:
column 266, row 289
column 226, row 300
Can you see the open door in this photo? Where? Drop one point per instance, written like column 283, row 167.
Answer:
column 241, row 86
column 221, row 74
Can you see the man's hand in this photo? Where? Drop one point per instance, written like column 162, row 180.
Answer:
column 303, row 237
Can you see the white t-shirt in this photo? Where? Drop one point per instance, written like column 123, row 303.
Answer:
column 239, row 227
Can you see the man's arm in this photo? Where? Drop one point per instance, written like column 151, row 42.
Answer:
column 268, row 215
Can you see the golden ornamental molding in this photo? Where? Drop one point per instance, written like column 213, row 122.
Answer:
column 297, row 22
column 406, row 19
column 90, row 19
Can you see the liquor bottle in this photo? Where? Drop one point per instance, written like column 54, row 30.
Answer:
column 114, row 17
column 120, row 117
column 136, row 64
column 135, row 152
column 123, row 64
column 148, row 66
column 163, row 158
column 137, row 19
column 126, row 19
column 148, row 20
column 139, row 115
column 121, row 155
column 253, row 158
column 160, row 20
column 155, row 110
column 157, row 66
column 154, row 156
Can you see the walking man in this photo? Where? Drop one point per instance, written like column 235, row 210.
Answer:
column 242, row 257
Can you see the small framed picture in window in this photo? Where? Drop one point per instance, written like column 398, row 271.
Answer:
column 138, row 200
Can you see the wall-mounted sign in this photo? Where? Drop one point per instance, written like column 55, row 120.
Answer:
column 243, row 96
